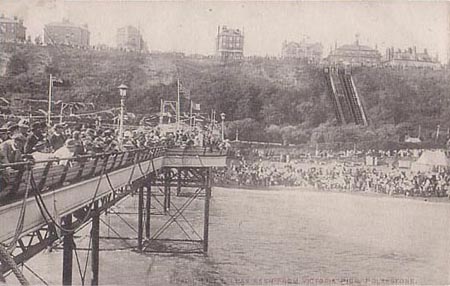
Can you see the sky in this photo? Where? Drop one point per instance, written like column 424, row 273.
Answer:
column 191, row 26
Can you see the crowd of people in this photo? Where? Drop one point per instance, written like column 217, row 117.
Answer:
column 21, row 140
column 336, row 176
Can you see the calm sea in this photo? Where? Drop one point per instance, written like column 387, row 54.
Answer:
column 284, row 237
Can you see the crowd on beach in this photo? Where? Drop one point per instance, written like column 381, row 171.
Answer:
column 21, row 140
column 334, row 175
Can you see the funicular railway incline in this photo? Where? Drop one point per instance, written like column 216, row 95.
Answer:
column 41, row 202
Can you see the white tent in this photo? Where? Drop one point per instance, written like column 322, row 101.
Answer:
column 431, row 160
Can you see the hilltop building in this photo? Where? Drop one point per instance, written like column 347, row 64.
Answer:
column 312, row 52
column 355, row 55
column 66, row 33
column 410, row 58
column 129, row 38
column 11, row 30
column 229, row 43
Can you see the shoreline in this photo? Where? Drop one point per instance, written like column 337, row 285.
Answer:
column 313, row 189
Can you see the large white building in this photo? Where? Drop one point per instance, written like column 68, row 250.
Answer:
column 129, row 38
column 229, row 43
column 311, row 52
column 66, row 33
column 11, row 29
column 410, row 58
column 355, row 55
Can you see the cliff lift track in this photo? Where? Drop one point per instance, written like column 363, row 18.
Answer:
column 345, row 98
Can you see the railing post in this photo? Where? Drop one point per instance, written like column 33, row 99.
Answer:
column 140, row 217
column 95, row 236
column 206, row 210
column 67, row 252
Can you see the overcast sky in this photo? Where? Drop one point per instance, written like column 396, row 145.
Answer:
column 191, row 26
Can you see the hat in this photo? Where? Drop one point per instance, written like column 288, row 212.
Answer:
column 18, row 137
column 90, row 132
column 71, row 143
column 10, row 126
column 24, row 123
column 36, row 125
column 98, row 142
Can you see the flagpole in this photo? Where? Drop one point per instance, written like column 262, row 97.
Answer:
column 49, row 101
column 161, row 112
column 178, row 104
column 190, row 117
column 211, row 121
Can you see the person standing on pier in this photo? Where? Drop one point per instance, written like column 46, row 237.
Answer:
column 57, row 139
column 31, row 145
column 10, row 150
column 3, row 135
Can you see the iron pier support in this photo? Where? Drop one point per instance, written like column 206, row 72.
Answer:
column 148, row 203
column 166, row 190
column 95, row 236
column 179, row 170
column 68, row 245
column 140, row 216
column 206, row 210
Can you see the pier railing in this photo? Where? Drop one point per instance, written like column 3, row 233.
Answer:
column 55, row 173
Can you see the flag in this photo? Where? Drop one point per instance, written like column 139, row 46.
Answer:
column 196, row 106
column 57, row 82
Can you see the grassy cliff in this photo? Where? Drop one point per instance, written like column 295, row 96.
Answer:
column 263, row 98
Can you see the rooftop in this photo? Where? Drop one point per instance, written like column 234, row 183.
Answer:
column 4, row 19
column 356, row 47
column 67, row 23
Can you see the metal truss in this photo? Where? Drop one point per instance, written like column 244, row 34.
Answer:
column 164, row 195
column 185, row 185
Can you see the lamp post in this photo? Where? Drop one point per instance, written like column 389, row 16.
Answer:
column 123, row 94
column 50, row 88
column 222, row 116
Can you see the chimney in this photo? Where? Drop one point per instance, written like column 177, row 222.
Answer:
column 425, row 51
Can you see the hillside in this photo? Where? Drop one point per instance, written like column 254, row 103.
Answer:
column 262, row 98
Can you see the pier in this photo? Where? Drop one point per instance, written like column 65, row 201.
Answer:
column 52, row 200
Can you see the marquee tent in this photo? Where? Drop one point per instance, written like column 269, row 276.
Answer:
column 431, row 160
